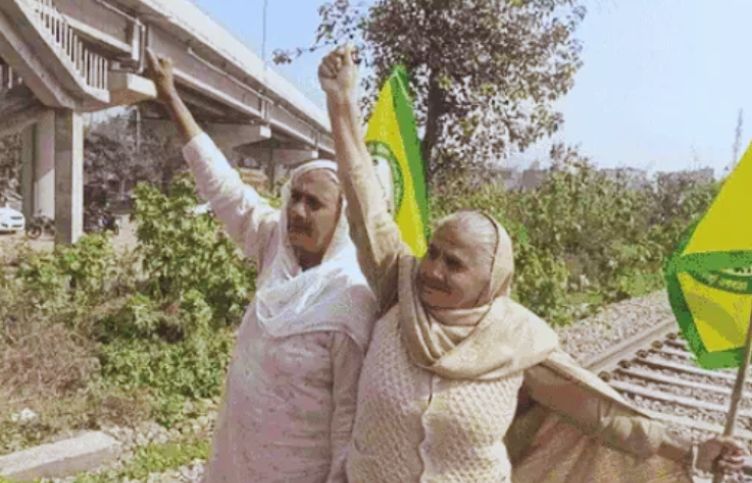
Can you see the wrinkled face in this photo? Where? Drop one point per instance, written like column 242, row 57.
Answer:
column 313, row 211
column 455, row 271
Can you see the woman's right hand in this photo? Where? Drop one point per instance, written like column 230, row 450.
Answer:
column 338, row 74
column 160, row 71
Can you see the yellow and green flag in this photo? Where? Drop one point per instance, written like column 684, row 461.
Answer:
column 709, row 276
column 392, row 139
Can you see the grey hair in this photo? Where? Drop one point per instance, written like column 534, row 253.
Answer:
column 478, row 225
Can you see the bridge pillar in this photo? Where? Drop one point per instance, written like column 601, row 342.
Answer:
column 69, row 176
column 38, row 171
column 27, row 171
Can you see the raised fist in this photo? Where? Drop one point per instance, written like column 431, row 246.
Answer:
column 338, row 73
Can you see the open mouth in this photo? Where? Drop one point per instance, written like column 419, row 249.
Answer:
column 433, row 287
column 303, row 230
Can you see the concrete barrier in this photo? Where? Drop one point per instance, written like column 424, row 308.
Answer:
column 63, row 458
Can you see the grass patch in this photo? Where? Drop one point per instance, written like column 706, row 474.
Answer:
column 153, row 458
column 590, row 298
column 639, row 283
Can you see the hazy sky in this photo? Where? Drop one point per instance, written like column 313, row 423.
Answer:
column 661, row 85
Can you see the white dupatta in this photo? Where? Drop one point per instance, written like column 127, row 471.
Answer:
column 333, row 295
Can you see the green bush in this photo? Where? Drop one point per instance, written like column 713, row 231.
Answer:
column 596, row 225
column 67, row 283
column 174, row 336
column 675, row 206
column 181, row 252
column 172, row 372
column 160, row 330
column 190, row 366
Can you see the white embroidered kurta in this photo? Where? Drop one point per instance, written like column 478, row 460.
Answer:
column 289, row 401
column 288, row 408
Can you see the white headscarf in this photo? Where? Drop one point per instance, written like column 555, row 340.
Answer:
column 333, row 295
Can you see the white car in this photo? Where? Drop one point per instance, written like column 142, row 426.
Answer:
column 11, row 220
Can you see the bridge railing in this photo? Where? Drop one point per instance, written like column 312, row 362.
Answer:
column 91, row 66
column 8, row 78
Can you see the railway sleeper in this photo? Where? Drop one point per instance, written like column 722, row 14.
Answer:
column 675, row 381
column 689, row 402
column 661, row 363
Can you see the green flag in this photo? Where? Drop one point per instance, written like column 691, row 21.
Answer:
column 709, row 276
column 392, row 139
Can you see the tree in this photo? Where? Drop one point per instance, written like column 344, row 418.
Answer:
column 116, row 150
column 485, row 73
column 10, row 166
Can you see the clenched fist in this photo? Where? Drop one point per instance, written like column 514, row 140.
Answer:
column 338, row 74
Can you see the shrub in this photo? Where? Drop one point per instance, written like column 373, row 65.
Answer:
column 69, row 282
column 181, row 252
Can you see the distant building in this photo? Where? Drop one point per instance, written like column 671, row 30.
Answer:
column 514, row 179
column 700, row 176
column 510, row 178
column 532, row 178
column 634, row 178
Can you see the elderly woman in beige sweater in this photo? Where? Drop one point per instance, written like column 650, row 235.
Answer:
column 439, row 387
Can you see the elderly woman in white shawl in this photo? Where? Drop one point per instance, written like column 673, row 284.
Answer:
column 439, row 386
column 289, row 401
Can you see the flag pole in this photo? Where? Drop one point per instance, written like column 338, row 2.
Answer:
column 736, row 395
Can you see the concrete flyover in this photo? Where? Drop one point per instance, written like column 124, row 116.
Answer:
column 62, row 58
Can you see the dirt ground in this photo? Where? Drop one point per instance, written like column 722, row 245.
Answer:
column 126, row 239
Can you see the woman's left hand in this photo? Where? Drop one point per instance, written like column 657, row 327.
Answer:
column 724, row 452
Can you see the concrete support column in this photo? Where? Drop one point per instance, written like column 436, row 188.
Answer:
column 44, row 165
column 38, row 171
column 69, row 176
column 27, row 172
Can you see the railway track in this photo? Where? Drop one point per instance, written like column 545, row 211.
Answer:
column 655, row 370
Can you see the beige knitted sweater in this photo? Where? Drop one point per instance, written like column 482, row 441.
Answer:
column 412, row 425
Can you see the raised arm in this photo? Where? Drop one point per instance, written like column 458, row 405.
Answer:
column 372, row 228
column 246, row 216
column 161, row 73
